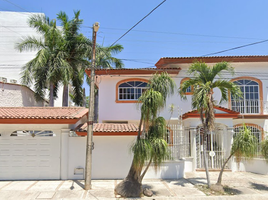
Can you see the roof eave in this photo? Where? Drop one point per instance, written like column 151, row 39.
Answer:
column 101, row 72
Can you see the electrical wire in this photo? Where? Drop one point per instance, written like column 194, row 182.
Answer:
column 139, row 22
column 16, row 5
column 234, row 48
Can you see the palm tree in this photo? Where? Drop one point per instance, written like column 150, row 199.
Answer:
column 63, row 55
column 204, row 80
column 75, row 49
column 244, row 145
column 105, row 59
column 45, row 68
column 150, row 144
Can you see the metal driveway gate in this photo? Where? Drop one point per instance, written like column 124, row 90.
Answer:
column 215, row 148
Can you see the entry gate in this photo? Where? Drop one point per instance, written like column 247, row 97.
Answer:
column 215, row 148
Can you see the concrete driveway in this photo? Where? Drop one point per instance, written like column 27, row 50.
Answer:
column 246, row 185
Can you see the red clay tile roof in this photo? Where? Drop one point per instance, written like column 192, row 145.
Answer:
column 229, row 113
column 162, row 62
column 41, row 114
column 109, row 127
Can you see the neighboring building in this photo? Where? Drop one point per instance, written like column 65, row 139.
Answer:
column 15, row 95
column 34, row 142
column 13, row 29
column 119, row 90
column 40, row 143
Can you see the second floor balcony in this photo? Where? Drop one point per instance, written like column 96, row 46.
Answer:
column 250, row 106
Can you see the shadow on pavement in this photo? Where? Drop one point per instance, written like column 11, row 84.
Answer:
column 258, row 186
column 180, row 182
column 195, row 181
column 232, row 191
column 78, row 183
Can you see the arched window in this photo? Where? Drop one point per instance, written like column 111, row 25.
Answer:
column 189, row 90
column 33, row 133
column 129, row 91
column 250, row 103
column 256, row 130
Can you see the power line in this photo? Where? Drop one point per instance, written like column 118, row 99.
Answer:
column 16, row 5
column 178, row 33
column 139, row 22
column 239, row 47
column 188, row 34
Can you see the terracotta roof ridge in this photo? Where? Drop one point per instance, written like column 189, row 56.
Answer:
column 239, row 56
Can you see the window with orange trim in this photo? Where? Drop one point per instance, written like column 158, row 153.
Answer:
column 129, row 90
column 189, row 90
column 250, row 103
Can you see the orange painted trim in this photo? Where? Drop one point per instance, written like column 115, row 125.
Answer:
column 253, row 116
column 109, row 133
column 260, row 90
column 192, row 88
column 38, row 121
column 164, row 62
column 254, row 125
column 124, row 81
column 124, row 71
column 220, row 115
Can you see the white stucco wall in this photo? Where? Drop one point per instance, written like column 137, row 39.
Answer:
column 14, row 28
column 14, row 95
column 110, row 110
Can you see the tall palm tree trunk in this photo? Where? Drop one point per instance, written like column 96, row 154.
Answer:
column 51, row 95
column 65, row 96
column 131, row 186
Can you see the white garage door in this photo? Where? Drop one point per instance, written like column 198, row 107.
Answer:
column 23, row 156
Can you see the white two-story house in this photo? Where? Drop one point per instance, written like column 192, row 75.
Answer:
column 119, row 90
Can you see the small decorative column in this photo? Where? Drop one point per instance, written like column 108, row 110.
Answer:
column 64, row 155
column 193, row 146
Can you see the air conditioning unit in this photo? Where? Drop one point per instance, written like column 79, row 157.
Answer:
column 13, row 81
column 3, row 79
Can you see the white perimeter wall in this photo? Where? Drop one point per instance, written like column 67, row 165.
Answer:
column 256, row 165
column 112, row 159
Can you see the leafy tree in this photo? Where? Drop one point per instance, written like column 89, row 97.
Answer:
column 244, row 145
column 150, row 144
column 204, row 80
column 44, row 69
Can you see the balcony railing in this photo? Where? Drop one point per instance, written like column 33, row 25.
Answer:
column 246, row 106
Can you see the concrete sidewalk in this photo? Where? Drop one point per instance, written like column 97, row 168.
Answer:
column 245, row 185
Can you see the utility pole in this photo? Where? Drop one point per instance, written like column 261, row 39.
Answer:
column 91, row 112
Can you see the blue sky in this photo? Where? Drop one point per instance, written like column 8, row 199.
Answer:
column 177, row 28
